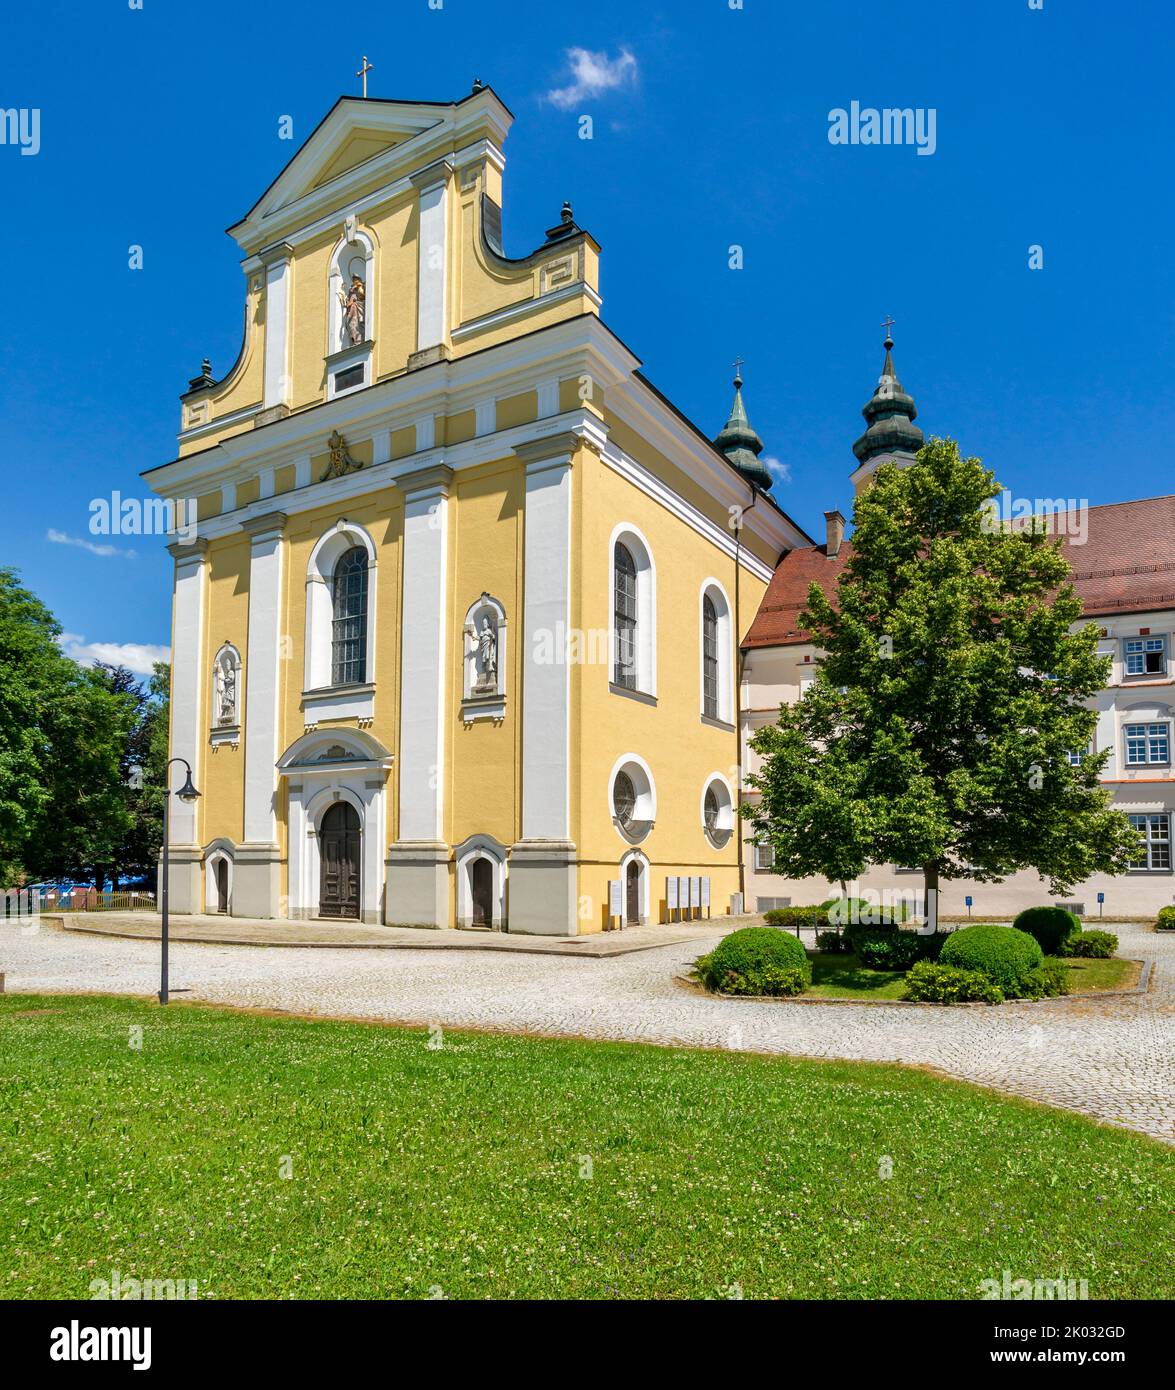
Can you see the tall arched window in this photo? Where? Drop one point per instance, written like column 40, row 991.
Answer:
column 624, row 610
column 349, row 628
column 709, row 658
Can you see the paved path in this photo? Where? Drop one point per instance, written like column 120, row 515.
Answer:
column 268, row 931
column 1110, row 1058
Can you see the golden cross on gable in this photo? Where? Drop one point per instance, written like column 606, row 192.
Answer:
column 363, row 71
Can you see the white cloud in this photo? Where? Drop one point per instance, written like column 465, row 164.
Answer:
column 138, row 657
column 592, row 74
column 779, row 470
column 60, row 538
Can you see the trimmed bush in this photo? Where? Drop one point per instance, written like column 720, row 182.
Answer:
column 1166, row 919
column 831, row 941
column 886, row 948
column 931, row 983
column 796, row 917
column 1099, row 944
column 1051, row 926
column 1049, row 979
column 1003, row 954
column 859, row 912
column 756, row 960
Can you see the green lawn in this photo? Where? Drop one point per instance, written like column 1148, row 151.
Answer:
column 844, row 977
column 463, row 1171
column 1086, row 973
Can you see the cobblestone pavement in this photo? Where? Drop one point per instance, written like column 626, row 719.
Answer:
column 1111, row 1058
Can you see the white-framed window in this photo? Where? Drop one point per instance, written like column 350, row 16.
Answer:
column 1144, row 656
column 340, row 611
column 1155, row 850
column 716, row 653
column 717, row 810
column 1077, row 756
column 632, row 798
column 633, row 612
column 764, row 856
column 1148, row 745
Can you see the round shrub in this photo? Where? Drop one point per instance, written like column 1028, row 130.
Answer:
column 756, row 960
column 1003, row 954
column 1166, row 919
column 1099, row 944
column 886, row 948
column 1051, row 926
column 932, row 983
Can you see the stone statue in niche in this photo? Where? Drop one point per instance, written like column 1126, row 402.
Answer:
column 354, row 305
column 487, row 658
column 226, row 688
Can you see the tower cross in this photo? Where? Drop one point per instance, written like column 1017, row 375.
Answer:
column 363, row 71
column 887, row 324
column 738, row 366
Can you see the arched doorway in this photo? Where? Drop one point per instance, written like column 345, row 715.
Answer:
column 222, row 884
column 481, row 892
column 632, row 904
column 338, row 839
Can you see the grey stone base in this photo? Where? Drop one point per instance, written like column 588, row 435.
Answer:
column 257, row 882
column 185, row 874
column 541, row 888
column 417, row 893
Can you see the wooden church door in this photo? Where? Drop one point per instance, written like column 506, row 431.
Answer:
column 338, row 841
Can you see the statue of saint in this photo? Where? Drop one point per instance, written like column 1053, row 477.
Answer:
column 226, row 690
column 354, row 310
column 487, row 647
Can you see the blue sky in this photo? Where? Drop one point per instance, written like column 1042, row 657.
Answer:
column 159, row 127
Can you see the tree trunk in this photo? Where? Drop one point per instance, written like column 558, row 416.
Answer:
column 930, row 875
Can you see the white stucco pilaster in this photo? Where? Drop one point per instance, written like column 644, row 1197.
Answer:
column 279, row 296
column 256, row 892
column 188, row 716
column 432, row 302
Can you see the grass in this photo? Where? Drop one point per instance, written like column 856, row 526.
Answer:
column 844, row 977
column 498, row 1166
column 1089, row 973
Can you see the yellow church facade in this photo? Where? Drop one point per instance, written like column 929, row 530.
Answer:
column 456, row 631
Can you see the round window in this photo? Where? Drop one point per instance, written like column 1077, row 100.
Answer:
column 717, row 834
column 623, row 799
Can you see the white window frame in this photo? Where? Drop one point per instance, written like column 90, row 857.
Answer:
column 1153, row 731
column 630, row 537
column 726, row 813
column 1154, row 820
column 644, row 811
column 1145, row 646
column 764, row 857
column 725, row 642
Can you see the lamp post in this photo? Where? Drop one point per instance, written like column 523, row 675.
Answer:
column 187, row 793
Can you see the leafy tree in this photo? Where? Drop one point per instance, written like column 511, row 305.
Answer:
column 951, row 690
column 147, row 752
column 32, row 672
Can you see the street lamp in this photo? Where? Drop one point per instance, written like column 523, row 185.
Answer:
column 187, row 793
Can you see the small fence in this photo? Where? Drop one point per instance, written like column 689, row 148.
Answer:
column 31, row 902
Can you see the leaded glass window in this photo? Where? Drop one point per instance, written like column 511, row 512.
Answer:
column 349, row 626
column 624, row 618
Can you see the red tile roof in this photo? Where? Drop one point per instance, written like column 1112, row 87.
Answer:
column 1125, row 565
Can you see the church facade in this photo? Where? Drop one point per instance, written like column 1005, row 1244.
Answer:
column 455, row 641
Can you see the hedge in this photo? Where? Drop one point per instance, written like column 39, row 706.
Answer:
column 756, row 960
column 930, row 982
column 1099, row 944
column 1051, row 926
column 1004, row 954
column 1166, row 921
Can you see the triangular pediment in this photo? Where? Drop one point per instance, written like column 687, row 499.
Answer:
column 358, row 141
column 357, row 149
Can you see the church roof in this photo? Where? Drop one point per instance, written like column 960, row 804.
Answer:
column 889, row 417
column 1126, row 565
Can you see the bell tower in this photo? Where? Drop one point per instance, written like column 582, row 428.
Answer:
column 891, row 436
